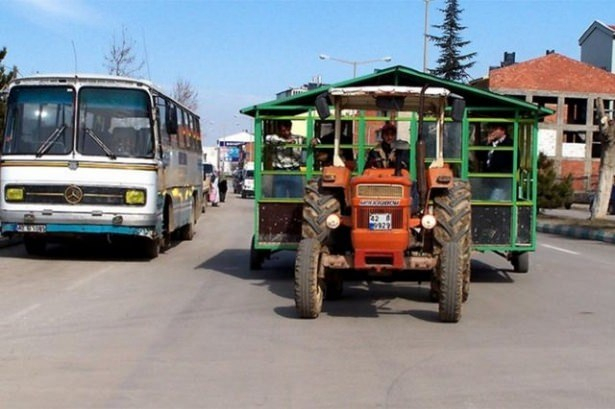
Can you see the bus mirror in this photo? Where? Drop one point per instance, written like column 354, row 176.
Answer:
column 322, row 106
column 458, row 107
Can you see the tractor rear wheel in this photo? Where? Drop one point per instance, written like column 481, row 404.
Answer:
column 453, row 239
column 317, row 207
column 308, row 286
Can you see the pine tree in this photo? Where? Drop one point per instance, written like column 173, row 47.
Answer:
column 5, row 78
column 452, row 65
column 551, row 192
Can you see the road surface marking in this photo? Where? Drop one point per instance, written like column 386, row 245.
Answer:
column 560, row 249
column 20, row 314
column 87, row 279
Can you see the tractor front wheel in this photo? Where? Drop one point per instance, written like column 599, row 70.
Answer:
column 308, row 286
column 453, row 237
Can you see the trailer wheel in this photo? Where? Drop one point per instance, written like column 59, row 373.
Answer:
column 308, row 288
column 452, row 235
column 316, row 208
column 334, row 285
column 35, row 246
column 256, row 256
column 520, row 261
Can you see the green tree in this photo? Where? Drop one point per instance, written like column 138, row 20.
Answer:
column 552, row 193
column 5, row 78
column 452, row 65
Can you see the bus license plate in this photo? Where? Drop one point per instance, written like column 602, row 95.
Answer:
column 31, row 228
column 380, row 221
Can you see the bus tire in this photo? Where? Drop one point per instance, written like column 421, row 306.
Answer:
column 151, row 248
column 187, row 230
column 35, row 246
column 165, row 234
column 308, row 287
column 317, row 206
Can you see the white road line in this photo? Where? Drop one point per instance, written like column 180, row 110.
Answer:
column 19, row 314
column 560, row 249
column 87, row 279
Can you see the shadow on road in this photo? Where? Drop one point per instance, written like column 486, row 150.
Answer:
column 86, row 249
column 361, row 298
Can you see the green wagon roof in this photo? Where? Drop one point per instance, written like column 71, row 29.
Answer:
column 400, row 75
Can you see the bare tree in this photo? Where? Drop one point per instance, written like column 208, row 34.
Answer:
column 184, row 92
column 6, row 76
column 607, row 163
column 121, row 59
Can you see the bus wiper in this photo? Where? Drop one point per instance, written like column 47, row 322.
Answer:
column 100, row 143
column 48, row 143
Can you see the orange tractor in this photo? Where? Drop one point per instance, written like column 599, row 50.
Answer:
column 386, row 222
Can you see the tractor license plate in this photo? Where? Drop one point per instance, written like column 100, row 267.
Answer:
column 31, row 228
column 380, row 221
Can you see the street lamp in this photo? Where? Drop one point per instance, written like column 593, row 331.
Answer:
column 353, row 63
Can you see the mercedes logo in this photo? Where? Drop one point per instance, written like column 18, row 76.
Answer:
column 73, row 194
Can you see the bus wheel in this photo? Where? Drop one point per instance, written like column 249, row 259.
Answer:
column 35, row 246
column 151, row 248
column 187, row 231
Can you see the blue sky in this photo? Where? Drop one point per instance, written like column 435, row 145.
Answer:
column 239, row 53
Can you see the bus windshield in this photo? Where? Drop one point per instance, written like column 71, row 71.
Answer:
column 115, row 123
column 39, row 121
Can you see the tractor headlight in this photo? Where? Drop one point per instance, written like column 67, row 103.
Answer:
column 134, row 197
column 428, row 222
column 333, row 221
column 14, row 194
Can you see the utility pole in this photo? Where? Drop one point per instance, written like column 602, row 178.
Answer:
column 425, row 36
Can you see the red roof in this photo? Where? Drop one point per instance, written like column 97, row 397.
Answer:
column 553, row 72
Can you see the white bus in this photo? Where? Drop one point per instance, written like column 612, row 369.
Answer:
column 98, row 155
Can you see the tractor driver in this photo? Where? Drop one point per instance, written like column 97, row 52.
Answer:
column 382, row 155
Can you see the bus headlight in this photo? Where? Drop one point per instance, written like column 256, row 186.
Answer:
column 14, row 194
column 134, row 197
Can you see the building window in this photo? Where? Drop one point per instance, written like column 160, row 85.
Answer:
column 547, row 102
column 609, row 108
column 574, row 137
column 596, row 145
column 576, row 111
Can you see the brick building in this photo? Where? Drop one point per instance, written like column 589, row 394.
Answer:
column 570, row 88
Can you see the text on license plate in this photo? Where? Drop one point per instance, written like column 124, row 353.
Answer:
column 31, row 228
column 380, row 221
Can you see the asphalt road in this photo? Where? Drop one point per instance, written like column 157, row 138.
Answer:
column 90, row 326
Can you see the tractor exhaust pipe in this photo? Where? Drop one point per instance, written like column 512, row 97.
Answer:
column 421, row 154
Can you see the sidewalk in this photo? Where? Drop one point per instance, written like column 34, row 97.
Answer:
column 575, row 223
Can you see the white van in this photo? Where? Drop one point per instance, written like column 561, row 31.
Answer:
column 247, row 180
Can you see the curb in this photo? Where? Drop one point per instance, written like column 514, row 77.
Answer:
column 576, row 232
